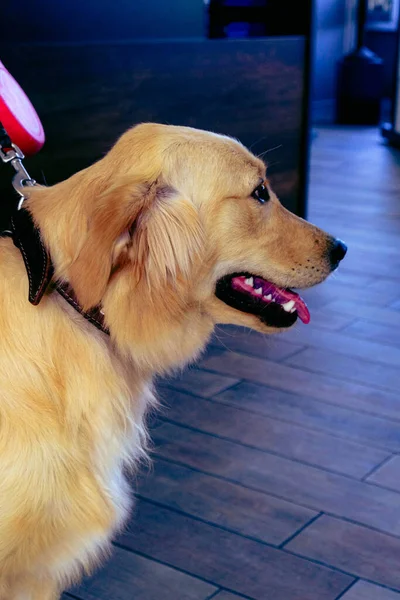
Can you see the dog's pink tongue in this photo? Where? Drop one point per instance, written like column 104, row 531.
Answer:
column 282, row 296
column 301, row 306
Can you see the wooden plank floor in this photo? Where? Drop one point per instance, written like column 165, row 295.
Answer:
column 277, row 461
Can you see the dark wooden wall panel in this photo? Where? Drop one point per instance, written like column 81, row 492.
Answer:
column 87, row 95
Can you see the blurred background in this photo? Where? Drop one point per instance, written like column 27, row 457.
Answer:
column 276, row 471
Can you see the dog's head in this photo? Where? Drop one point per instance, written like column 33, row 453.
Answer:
column 175, row 230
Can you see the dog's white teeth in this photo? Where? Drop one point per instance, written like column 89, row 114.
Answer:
column 258, row 291
column 269, row 297
column 289, row 305
column 293, row 310
column 249, row 281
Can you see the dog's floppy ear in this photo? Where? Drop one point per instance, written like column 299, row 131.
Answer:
column 113, row 213
column 159, row 228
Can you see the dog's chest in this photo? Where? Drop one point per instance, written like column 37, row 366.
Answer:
column 120, row 443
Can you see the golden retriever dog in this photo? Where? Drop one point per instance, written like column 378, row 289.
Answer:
column 174, row 231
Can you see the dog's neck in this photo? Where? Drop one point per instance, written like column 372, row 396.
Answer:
column 40, row 270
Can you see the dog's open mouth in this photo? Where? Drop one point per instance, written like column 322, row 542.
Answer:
column 275, row 306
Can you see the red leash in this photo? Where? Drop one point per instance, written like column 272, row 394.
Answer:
column 21, row 131
column 18, row 116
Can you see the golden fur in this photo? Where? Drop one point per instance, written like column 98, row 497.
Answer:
column 146, row 231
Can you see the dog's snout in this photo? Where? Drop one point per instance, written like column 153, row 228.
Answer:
column 337, row 252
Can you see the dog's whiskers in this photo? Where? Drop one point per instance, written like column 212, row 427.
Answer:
column 257, row 141
column 262, row 154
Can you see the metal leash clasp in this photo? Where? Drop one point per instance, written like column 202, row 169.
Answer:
column 21, row 179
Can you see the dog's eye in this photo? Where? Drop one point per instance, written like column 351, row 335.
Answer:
column 261, row 194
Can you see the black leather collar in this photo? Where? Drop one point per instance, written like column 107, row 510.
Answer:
column 40, row 270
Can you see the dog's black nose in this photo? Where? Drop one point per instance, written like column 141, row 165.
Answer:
column 337, row 253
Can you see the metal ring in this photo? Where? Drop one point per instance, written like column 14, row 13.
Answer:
column 16, row 152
